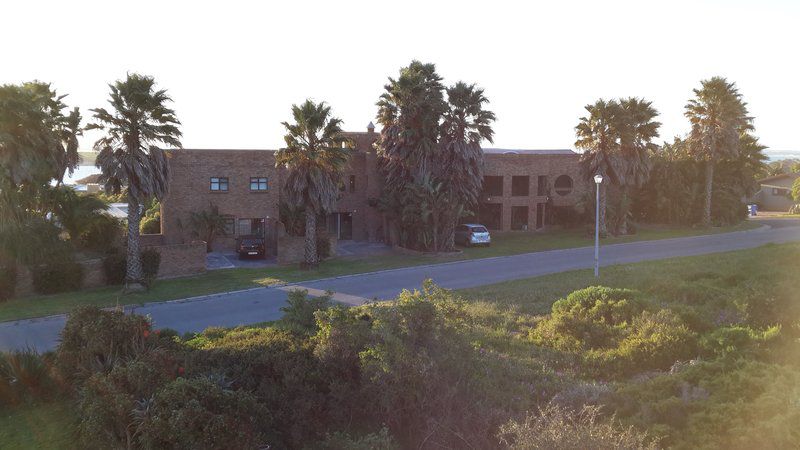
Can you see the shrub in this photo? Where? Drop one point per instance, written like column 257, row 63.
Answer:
column 277, row 367
column 615, row 333
column 381, row 440
column 299, row 312
column 323, row 246
column 566, row 216
column 151, row 261
column 738, row 341
column 102, row 235
column 94, row 340
column 112, row 405
column 114, row 267
column 729, row 403
column 150, row 225
column 25, row 375
column 198, row 414
column 555, row 428
column 8, row 281
column 55, row 277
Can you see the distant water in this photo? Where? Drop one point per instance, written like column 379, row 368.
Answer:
column 775, row 155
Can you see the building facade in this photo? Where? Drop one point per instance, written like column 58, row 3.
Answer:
column 245, row 186
column 775, row 193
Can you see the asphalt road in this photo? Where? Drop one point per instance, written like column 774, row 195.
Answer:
column 263, row 304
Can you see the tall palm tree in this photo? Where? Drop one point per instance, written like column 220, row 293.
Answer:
column 718, row 116
column 599, row 137
column 465, row 124
column 638, row 129
column 315, row 155
column 130, row 158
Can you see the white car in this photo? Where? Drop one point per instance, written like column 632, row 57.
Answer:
column 470, row 234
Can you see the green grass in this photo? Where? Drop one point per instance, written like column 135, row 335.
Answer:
column 40, row 426
column 233, row 279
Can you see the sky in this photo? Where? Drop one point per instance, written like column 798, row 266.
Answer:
column 234, row 68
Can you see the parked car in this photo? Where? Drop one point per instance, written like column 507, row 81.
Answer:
column 470, row 234
column 252, row 247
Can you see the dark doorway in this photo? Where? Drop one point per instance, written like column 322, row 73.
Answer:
column 491, row 215
column 340, row 225
column 539, row 215
column 519, row 218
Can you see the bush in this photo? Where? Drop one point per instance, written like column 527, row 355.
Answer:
column 25, row 375
column 299, row 312
column 735, row 404
column 150, row 225
column 323, row 246
column 112, row 405
column 566, row 216
column 114, row 267
column 615, row 333
column 103, row 234
column 151, row 261
column 94, row 340
column 8, row 281
column 373, row 441
column 555, row 428
column 55, row 277
column 277, row 367
column 738, row 341
column 199, row 414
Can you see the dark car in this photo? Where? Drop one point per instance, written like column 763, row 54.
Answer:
column 252, row 247
column 470, row 234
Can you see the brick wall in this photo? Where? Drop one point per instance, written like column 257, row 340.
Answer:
column 181, row 259
column 291, row 249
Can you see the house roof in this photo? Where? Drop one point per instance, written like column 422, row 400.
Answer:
column 91, row 179
column 791, row 176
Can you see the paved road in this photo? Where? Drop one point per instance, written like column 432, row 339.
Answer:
column 263, row 304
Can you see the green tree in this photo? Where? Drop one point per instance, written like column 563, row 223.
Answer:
column 718, row 117
column 76, row 213
column 206, row 224
column 129, row 154
column 638, row 129
column 315, row 155
column 599, row 136
column 796, row 190
column 430, row 149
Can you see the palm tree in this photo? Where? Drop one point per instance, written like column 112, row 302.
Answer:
column 315, row 155
column 638, row 129
column 598, row 135
column 718, row 116
column 465, row 124
column 129, row 154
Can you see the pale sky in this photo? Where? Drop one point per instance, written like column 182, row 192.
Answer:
column 234, row 68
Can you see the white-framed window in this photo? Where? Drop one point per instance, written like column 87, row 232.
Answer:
column 259, row 184
column 219, row 184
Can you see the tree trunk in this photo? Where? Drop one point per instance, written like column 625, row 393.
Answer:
column 709, row 188
column 311, row 240
column 133, row 271
column 603, row 228
column 623, row 203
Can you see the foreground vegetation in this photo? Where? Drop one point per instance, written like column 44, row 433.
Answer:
column 697, row 352
column 233, row 279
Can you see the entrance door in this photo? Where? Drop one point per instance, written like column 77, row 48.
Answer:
column 340, row 225
column 539, row 215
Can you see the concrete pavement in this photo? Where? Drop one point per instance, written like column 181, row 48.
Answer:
column 263, row 304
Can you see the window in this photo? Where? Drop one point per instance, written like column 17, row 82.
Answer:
column 563, row 185
column 352, row 183
column 219, row 183
column 541, row 185
column 258, row 184
column 519, row 218
column 493, row 186
column 228, row 227
column 779, row 191
column 520, row 186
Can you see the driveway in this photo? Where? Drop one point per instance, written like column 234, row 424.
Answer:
column 263, row 304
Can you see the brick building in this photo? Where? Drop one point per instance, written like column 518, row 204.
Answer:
column 245, row 185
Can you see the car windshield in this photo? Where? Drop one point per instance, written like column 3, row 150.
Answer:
column 479, row 230
column 250, row 242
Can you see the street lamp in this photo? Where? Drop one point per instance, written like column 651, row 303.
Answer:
column 598, row 179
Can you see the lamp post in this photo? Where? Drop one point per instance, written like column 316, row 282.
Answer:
column 598, row 179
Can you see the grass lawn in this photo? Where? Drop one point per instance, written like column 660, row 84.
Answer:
column 41, row 426
column 233, row 279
